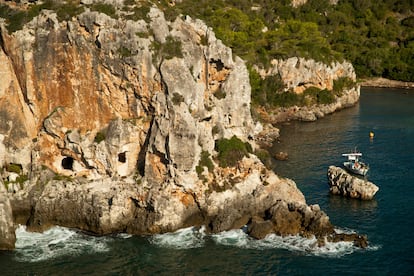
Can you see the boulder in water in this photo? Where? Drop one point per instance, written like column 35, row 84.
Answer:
column 282, row 156
column 343, row 183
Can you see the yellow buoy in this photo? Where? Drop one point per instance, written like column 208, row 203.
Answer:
column 371, row 134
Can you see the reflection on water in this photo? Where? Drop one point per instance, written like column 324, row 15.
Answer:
column 338, row 203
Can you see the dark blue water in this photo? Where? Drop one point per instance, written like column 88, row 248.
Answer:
column 312, row 147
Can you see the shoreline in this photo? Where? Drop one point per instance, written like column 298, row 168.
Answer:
column 386, row 83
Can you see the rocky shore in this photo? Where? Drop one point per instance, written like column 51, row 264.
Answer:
column 140, row 126
column 386, row 83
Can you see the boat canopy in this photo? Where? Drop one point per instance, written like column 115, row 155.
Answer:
column 352, row 156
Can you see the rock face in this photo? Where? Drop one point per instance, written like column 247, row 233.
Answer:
column 343, row 183
column 7, row 234
column 298, row 74
column 110, row 125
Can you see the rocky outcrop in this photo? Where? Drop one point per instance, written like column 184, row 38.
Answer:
column 343, row 183
column 312, row 113
column 386, row 83
column 290, row 219
column 111, row 125
column 298, row 74
column 7, row 234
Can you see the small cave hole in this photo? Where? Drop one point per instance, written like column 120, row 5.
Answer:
column 67, row 163
column 122, row 157
column 218, row 64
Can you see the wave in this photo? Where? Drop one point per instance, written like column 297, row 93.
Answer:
column 192, row 238
column 186, row 238
column 59, row 242
column 55, row 242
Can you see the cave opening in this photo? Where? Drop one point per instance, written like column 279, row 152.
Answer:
column 122, row 157
column 67, row 163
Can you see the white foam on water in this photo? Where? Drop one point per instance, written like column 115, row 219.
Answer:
column 123, row 236
column 181, row 239
column 237, row 238
column 307, row 246
column 344, row 231
column 193, row 238
column 55, row 242
column 310, row 246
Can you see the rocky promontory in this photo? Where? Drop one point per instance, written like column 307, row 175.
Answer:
column 386, row 83
column 138, row 125
column 343, row 183
column 299, row 74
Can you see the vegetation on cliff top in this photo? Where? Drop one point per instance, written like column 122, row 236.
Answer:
column 377, row 37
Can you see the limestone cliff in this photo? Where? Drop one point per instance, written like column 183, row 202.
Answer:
column 299, row 74
column 114, row 122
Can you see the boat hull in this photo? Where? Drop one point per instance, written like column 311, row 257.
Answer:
column 360, row 169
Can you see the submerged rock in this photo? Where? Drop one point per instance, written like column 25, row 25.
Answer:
column 282, row 156
column 343, row 183
column 291, row 219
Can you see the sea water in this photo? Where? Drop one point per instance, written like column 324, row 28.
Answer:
column 312, row 147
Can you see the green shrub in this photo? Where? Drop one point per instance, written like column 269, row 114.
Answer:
column 172, row 48
column 124, row 52
column 138, row 12
column 99, row 137
column 285, row 99
column 314, row 95
column 65, row 11
column 21, row 179
column 325, row 97
column 17, row 18
column 265, row 157
column 231, row 151
column 205, row 161
column 15, row 168
column 340, row 84
column 269, row 92
column 105, row 8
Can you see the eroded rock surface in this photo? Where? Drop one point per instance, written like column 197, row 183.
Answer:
column 7, row 234
column 298, row 74
column 343, row 183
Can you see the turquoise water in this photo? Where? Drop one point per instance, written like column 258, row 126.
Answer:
column 312, row 147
